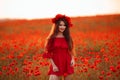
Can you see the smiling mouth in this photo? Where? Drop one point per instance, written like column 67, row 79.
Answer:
column 61, row 29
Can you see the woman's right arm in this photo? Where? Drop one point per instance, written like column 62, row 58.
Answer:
column 52, row 62
column 48, row 54
column 55, row 68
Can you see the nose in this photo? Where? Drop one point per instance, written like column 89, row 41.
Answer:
column 63, row 26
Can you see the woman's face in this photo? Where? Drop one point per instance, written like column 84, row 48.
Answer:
column 62, row 26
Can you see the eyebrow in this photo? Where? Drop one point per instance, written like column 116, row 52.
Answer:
column 62, row 24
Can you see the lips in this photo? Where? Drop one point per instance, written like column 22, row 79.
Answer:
column 62, row 29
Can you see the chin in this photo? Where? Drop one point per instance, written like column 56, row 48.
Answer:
column 62, row 31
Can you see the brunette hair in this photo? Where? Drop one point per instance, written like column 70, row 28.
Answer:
column 54, row 32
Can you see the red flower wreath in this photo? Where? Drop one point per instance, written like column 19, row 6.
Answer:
column 60, row 16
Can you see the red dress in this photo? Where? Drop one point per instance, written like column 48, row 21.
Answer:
column 60, row 56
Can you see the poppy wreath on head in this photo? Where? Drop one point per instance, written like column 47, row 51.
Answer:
column 60, row 16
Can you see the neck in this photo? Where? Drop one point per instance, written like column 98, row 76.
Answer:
column 60, row 34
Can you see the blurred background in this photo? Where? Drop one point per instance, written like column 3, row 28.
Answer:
column 25, row 24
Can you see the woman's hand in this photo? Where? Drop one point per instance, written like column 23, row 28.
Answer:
column 55, row 68
column 72, row 62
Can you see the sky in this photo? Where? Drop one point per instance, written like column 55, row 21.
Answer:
column 31, row 9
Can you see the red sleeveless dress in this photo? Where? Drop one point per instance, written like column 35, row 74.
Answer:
column 60, row 56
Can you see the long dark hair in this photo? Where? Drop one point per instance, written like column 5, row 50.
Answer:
column 54, row 32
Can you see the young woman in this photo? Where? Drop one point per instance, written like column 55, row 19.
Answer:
column 59, row 49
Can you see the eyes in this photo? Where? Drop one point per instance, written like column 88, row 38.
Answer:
column 61, row 25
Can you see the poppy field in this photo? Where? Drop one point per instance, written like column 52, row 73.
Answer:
column 96, row 40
